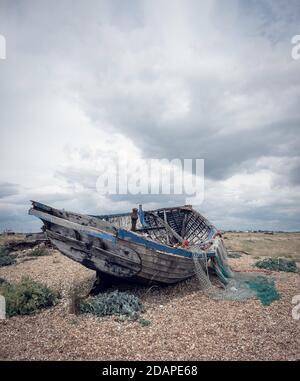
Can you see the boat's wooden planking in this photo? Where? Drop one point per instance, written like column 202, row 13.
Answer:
column 101, row 246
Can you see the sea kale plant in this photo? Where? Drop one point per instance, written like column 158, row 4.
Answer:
column 113, row 303
column 26, row 297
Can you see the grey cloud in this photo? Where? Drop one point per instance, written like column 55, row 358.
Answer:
column 148, row 199
column 86, row 178
column 294, row 175
column 187, row 80
column 8, row 189
column 15, row 217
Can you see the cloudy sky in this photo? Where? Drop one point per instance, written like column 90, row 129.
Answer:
column 84, row 81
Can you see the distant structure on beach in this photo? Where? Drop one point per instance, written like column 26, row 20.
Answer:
column 8, row 232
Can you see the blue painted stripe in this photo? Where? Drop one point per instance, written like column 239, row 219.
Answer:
column 141, row 215
column 131, row 237
column 104, row 236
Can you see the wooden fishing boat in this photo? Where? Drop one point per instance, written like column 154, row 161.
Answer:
column 160, row 249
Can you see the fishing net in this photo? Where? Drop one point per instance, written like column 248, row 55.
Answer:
column 218, row 264
column 277, row 264
column 230, row 285
column 201, row 269
column 264, row 289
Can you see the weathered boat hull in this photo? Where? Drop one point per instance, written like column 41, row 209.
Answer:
column 117, row 252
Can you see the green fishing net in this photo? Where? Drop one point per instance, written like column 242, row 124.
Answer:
column 264, row 288
column 236, row 286
column 277, row 264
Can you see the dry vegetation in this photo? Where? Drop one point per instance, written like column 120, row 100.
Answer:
column 185, row 324
column 259, row 244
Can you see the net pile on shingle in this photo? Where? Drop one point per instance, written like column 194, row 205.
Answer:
column 232, row 285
